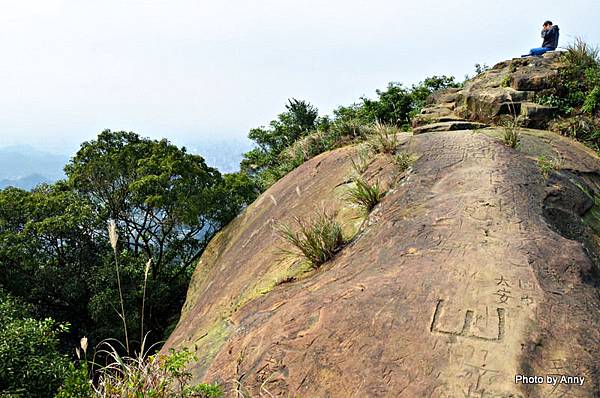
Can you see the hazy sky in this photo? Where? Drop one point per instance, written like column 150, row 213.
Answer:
column 192, row 70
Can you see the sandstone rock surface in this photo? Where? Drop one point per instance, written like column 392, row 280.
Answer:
column 500, row 91
column 448, row 126
column 474, row 268
column 481, row 263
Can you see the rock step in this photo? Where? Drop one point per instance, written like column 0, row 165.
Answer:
column 448, row 126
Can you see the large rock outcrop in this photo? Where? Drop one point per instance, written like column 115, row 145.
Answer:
column 507, row 89
column 478, row 265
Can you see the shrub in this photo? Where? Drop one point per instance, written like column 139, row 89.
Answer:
column 365, row 195
column 481, row 68
column 578, row 79
column 563, row 105
column 592, row 101
column 581, row 127
column 351, row 129
column 155, row 376
column 30, row 362
column 317, row 239
column 77, row 383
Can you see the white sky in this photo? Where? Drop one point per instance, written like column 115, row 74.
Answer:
column 193, row 70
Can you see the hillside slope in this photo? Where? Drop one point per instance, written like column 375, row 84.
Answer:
column 475, row 267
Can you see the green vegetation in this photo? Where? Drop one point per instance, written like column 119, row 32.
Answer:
column 481, row 68
column 128, row 282
column 512, row 136
column 57, row 255
column 547, row 166
column 166, row 204
column 154, row 376
column 592, row 101
column 576, row 94
column 299, row 133
column 584, row 128
column 404, row 160
column 30, row 362
column 316, row 239
column 384, row 138
column 363, row 160
column 365, row 195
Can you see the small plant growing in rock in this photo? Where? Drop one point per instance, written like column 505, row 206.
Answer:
column 404, row 160
column 316, row 239
column 384, row 138
column 512, row 125
column 481, row 68
column 582, row 54
column 547, row 166
column 360, row 164
column 365, row 195
column 512, row 137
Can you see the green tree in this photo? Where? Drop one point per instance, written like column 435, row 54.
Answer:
column 395, row 105
column 50, row 251
column 299, row 119
column 421, row 91
column 167, row 204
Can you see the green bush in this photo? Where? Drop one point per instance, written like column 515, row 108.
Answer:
column 30, row 362
column 300, row 133
column 77, row 383
column 577, row 85
column 563, row 105
column 592, row 101
column 154, row 376
column 584, row 128
column 512, row 135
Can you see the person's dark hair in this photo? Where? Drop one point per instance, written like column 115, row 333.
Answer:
column 547, row 23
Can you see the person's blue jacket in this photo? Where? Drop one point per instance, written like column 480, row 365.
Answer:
column 550, row 37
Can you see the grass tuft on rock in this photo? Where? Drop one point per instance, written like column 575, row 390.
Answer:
column 512, row 136
column 404, row 160
column 384, row 138
column 365, row 195
column 316, row 239
column 547, row 166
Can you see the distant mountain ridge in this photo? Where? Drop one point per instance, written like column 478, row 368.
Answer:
column 23, row 166
column 27, row 182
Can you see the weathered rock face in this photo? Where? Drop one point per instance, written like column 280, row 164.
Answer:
column 481, row 263
column 502, row 90
column 448, row 126
column 474, row 268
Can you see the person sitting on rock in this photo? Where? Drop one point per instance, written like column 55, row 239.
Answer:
column 550, row 36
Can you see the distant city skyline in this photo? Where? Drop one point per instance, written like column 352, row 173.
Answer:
column 204, row 71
